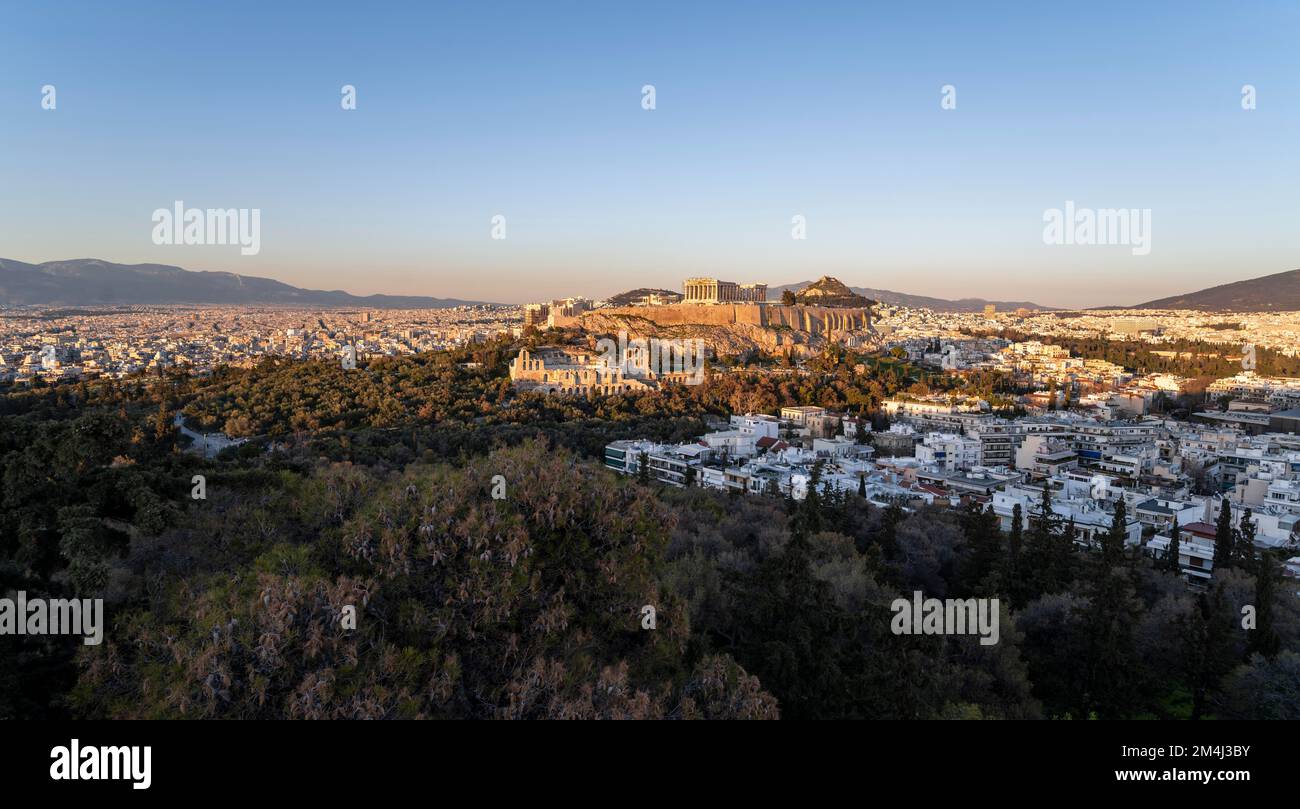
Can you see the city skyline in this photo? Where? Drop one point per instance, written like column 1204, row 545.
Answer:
column 831, row 114
column 436, row 361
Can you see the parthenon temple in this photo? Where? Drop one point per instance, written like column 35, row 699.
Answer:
column 712, row 290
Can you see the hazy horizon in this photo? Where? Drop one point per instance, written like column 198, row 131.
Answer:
column 535, row 113
column 675, row 288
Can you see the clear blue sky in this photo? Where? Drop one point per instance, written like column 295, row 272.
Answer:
column 764, row 110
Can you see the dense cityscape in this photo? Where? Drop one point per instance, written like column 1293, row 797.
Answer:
column 1085, row 433
column 363, row 365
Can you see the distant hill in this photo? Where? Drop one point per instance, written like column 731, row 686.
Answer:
column 1279, row 292
column 919, row 301
column 634, row 296
column 92, row 282
column 828, row 291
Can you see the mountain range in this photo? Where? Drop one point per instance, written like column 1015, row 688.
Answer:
column 1279, row 292
column 92, row 282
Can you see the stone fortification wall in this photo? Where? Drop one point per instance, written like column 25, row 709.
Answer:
column 809, row 319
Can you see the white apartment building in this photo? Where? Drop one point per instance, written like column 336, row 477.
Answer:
column 799, row 415
column 1280, row 391
column 950, row 451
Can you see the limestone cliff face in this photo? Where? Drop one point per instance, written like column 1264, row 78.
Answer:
column 735, row 328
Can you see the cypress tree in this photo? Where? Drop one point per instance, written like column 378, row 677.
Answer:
column 809, row 513
column 1064, row 558
column 980, row 575
column 889, row 529
column 1175, row 550
column 1017, row 534
column 1013, row 563
column 1041, row 554
column 862, row 485
column 1263, row 639
column 1046, row 516
column 1223, row 535
column 771, row 489
column 1112, row 542
column 1109, row 671
column 1243, row 547
column 1209, row 641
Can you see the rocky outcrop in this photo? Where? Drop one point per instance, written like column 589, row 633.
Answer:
column 831, row 292
column 735, row 328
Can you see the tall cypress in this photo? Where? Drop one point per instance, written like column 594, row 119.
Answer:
column 1046, row 516
column 771, row 489
column 1263, row 639
column 1223, row 537
column 1013, row 579
column 1017, row 533
column 1208, row 655
column 1064, row 557
column 1042, row 554
column 1243, row 546
column 1172, row 555
column 889, row 521
column 1109, row 671
column 1112, row 542
column 982, row 568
